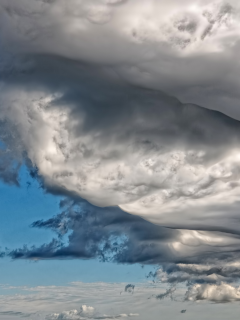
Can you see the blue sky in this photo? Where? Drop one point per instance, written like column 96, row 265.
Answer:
column 20, row 207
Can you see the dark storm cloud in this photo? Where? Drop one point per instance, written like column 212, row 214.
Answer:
column 172, row 150
column 165, row 145
column 105, row 233
column 121, row 128
column 109, row 234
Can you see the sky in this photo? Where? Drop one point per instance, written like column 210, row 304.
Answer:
column 119, row 159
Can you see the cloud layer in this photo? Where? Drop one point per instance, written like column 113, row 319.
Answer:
column 137, row 149
column 85, row 300
column 86, row 312
column 189, row 50
column 83, row 105
column 112, row 143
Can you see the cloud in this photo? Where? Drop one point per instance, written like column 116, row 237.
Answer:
column 216, row 293
column 169, row 293
column 129, row 288
column 109, row 234
column 85, row 312
column 10, row 159
column 216, row 283
column 189, row 50
column 52, row 301
column 83, row 105
column 174, row 170
column 38, row 302
column 205, row 273
column 16, row 314
column 139, row 149
column 176, row 174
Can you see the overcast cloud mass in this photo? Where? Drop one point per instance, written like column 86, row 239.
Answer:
column 130, row 110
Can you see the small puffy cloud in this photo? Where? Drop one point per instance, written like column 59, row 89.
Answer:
column 129, row 288
column 216, row 293
column 85, row 312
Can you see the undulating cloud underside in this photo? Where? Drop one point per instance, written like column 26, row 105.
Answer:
column 110, row 101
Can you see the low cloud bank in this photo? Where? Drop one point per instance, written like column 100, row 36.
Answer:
column 85, row 312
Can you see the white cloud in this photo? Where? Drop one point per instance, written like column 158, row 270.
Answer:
column 216, row 293
column 86, row 312
column 49, row 302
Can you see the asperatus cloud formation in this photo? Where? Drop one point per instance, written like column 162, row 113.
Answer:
column 129, row 111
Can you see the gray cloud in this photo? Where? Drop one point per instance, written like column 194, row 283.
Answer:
column 189, row 50
column 166, row 162
column 177, row 162
column 104, row 233
column 108, row 234
column 129, row 288
column 10, row 157
column 213, row 282
column 82, row 103
column 208, row 273
column 171, row 157
column 169, row 293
